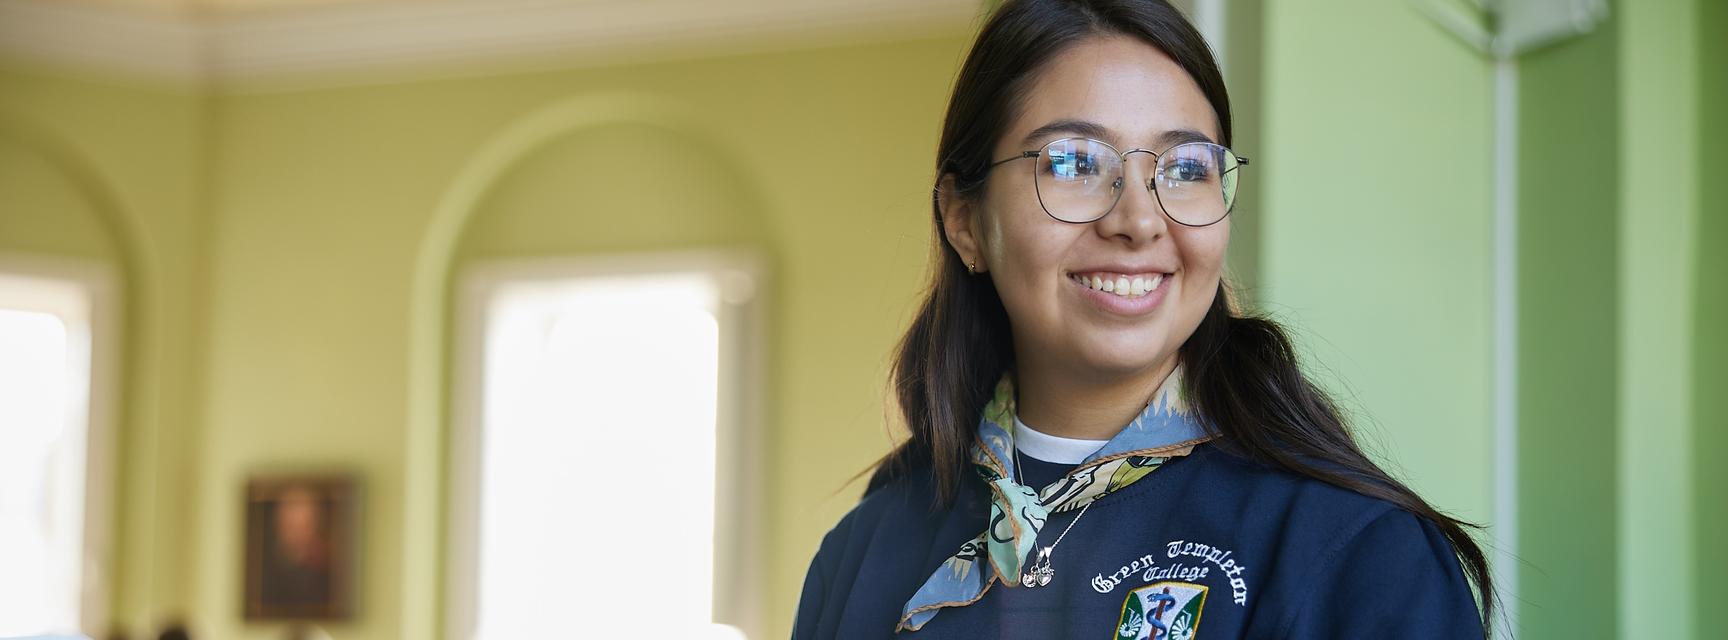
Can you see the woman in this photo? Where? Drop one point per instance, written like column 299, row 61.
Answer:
column 1100, row 443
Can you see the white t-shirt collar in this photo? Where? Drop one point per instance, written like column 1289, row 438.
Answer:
column 1049, row 448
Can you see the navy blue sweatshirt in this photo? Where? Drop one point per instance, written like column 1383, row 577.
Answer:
column 1211, row 545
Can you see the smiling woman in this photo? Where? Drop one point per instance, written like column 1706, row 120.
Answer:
column 1083, row 352
column 1086, row 296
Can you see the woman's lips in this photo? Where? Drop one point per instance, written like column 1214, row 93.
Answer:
column 1122, row 284
column 1144, row 291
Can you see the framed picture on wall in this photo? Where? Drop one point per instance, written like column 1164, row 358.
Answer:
column 301, row 540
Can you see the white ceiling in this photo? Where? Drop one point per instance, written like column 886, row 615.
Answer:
column 232, row 6
column 241, row 40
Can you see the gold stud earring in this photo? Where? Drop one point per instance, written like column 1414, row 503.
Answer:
column 972, row 267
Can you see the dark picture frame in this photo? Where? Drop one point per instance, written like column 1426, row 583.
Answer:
column 301, row 543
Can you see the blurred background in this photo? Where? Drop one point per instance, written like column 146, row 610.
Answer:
column 528, row 318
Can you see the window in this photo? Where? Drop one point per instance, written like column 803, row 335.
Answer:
column 595, row 449
column 51, row 470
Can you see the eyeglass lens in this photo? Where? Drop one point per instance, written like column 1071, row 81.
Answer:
column 1080, row 180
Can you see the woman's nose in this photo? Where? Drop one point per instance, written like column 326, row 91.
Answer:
column 1138, row 216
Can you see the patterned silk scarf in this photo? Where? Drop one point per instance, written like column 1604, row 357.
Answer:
column 1165, row 429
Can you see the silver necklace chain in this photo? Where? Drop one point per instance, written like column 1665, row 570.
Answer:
column 1041, row 573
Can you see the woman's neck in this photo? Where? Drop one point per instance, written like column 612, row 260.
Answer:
column 1062, row 403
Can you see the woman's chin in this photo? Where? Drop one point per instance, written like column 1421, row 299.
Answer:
column 1114, row 360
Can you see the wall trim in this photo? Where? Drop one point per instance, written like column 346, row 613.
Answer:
column 742, row 275
column 431, row 323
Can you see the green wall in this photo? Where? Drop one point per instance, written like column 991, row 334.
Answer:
column 1568, row 367
column 1376, row 233
column 1244, row 74
column 1658, row 66
column 1711, row 326
column 1620, row 374
column 1389, row 278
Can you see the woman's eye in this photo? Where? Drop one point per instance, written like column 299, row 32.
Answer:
column 1073, row 165
column 1187, row 170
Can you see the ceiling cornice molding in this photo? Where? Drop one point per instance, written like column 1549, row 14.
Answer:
column 412, row 37
column 147, row 43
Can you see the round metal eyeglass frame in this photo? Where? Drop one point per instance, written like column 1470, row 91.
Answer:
column 1151, row 183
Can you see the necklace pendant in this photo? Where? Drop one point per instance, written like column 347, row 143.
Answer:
column 1041, row 573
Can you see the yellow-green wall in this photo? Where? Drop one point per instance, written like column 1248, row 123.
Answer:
column 110, row 171
column 300, row 302
column 825, row 168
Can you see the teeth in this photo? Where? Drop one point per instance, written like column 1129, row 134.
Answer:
column 1122, row 285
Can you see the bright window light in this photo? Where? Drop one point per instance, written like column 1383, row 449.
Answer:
column 598, row 458
column 41, row 473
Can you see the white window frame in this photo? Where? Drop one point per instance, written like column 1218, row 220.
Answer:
column 739, row 451
column 100, row 318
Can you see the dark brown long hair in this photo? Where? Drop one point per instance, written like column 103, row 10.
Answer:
column 1240, row 370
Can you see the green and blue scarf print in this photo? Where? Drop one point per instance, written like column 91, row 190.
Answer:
column 1166, row 429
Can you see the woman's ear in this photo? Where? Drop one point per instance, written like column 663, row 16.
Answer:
column 959, row 223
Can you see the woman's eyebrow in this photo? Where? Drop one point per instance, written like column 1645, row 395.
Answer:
column 1089, row 129
column 1178, row 136
column 1084, row 128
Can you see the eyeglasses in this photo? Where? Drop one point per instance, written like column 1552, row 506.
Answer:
column 1079, row 180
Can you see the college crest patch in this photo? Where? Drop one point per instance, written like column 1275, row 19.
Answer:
column 1162, row 611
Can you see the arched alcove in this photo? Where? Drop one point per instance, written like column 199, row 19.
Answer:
column 46, row 208
column 60, row 221
column 604, row 173
column 614, row 187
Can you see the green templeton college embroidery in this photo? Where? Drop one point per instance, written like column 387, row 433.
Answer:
column 1162, row 611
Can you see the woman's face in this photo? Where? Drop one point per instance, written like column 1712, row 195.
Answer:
column 1138, row 98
